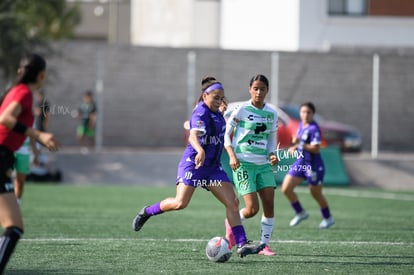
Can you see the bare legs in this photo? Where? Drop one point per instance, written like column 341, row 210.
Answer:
column 288, row 186
column 290, row 183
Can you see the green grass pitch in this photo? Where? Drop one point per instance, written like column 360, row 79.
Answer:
column 74, row 229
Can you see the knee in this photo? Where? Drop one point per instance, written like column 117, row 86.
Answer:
column 286, row 188
column 180, row 204
column 232, row 204
column 316, row 192
column 249, row 212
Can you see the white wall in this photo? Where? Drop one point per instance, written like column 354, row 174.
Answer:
column 318, row 31
column 206, row 24
column 259, row 24
column 163, row 23
column 175, row 23
column 274, row 25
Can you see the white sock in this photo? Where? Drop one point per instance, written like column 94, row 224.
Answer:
column 242, row 217
column 267, row 229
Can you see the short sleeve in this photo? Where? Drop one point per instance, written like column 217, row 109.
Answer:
column 315, row 136
column 198, row 122
column 234, row 117
column 24, row 97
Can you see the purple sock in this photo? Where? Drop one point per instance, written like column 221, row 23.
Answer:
column 325, row 212
column 154, row 209
column 239, row 235
column 297, row 207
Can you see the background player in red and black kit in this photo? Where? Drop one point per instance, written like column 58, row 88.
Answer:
column 16, row 119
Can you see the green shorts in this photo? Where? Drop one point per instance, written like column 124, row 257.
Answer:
column 83, row 130
column 250, row 178
column 22, row 163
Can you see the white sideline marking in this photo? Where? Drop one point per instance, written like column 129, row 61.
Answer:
column 205, row 240
column 363, row 194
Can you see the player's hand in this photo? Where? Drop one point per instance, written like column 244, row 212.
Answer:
column 199, row 159
column 234, row 163
column 273, row 160
column 48, row 140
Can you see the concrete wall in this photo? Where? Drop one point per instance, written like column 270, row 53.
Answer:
column 145, row 89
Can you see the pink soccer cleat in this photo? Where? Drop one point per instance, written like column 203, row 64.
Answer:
column 267, row 251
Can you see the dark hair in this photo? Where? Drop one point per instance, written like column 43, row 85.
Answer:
column 30, row 67
column 260, row 78
column 205, row 83
column 308, row 104
column 88, row 93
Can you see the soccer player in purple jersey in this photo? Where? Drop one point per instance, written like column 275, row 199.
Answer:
column 200, row 166
column 309, row 165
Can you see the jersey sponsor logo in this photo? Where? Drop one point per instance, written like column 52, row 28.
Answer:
column 260, row 127
column 253, row 142
column 260, row 119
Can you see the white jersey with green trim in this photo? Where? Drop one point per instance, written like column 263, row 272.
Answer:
column 254, row 134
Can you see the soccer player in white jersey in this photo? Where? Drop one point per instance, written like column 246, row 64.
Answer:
column 253, row 125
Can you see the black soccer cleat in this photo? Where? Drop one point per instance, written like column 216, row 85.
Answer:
column 140, row 219
column 249, row 248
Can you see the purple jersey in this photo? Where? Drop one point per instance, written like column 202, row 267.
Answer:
column 309, row 135
column 308, row 165
column 212, row 126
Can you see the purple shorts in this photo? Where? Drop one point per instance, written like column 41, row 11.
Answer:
column 313, row 174
column 201, row 177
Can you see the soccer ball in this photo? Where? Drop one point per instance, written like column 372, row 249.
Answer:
column 218, row 250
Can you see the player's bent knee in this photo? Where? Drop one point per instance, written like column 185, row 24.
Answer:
column 250, row 212
column 179, row 205
column 286, row 189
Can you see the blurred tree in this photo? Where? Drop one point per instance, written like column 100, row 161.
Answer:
column 26, row 25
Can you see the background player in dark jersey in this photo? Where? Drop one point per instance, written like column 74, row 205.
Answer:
column 200, row 166
column 16, row 119
column 87, row 115
column 309, row 166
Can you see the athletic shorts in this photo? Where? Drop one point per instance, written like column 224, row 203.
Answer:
column 202, row 177
column 83, row 130
column 22, row 163
column 313, row 175
column 6, row 168
column 250, row 178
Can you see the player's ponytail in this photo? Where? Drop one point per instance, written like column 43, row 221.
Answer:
column 30, row 67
